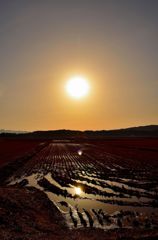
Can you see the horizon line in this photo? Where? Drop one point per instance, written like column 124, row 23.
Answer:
column 65, row 129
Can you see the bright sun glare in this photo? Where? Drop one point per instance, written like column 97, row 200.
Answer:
column 77, row 87
column 78, row 190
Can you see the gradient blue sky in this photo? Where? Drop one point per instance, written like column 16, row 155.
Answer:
column 114, row 43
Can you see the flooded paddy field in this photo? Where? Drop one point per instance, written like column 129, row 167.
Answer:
column 94, row 184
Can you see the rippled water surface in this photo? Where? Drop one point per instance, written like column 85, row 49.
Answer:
column 89, row 186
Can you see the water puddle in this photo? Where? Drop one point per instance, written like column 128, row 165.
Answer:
column 81, row 209
column 86, row 196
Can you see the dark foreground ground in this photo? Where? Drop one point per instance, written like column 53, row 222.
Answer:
column 27, row 213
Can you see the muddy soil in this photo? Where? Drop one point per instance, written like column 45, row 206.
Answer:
column 27, row 214
column 80, row 190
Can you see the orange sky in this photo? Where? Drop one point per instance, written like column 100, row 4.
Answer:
column 43, row 44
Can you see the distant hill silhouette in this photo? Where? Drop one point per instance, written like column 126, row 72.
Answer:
column 142, row 131
column 12, row 131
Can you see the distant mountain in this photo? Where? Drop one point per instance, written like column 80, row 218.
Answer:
column 142, row 131
column 12, row 131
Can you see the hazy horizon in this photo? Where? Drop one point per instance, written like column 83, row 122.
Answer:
column 61, row 129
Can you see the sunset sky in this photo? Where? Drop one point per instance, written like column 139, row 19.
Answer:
column 111, row 43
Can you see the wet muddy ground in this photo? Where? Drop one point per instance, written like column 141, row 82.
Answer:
column 91, row 186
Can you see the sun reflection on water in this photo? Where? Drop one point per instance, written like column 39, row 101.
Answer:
column 78, row 191
column 80, row 152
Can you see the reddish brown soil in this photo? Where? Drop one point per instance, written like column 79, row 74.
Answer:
column 10, row 149
column 135, row 148
column 27, row 214
column 138, row 149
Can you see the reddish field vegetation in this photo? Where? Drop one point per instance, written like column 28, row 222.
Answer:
column 139, row 148
column 10, row 149
column 145, row 150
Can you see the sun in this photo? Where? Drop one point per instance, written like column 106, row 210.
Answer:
column 77, row 87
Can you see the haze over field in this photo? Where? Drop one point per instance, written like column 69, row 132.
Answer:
column 111, row 44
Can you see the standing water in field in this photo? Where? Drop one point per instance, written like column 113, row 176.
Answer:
column 92, row 187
